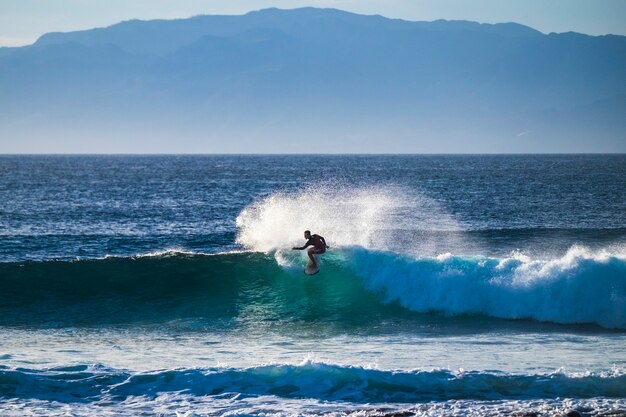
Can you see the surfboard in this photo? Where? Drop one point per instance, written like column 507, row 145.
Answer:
column 311, row 268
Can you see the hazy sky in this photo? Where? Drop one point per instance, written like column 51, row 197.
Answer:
column 23, row 21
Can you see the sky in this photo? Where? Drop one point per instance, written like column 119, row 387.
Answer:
column 23, row 21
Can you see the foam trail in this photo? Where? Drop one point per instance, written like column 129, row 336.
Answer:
column 382, row 218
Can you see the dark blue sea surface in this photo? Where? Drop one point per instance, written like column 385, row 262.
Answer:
column 454, row 284
column 90, row 206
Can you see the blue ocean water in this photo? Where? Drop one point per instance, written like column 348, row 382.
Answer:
column 454, row 285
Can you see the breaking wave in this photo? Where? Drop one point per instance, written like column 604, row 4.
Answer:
column 355, row 284
column 85, row 383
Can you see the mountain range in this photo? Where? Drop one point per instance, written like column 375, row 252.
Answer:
column 313, row 81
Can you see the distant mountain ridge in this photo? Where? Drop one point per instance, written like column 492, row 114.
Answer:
column 162, row 36
column 277, row 80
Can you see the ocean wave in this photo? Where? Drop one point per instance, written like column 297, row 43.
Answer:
column 329, row 382
column 355, row 285
column 580, row 287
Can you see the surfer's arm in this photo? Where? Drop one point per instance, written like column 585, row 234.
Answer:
column 308, row 243
column 324, row 240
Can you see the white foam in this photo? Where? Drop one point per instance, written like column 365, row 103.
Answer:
column 582, row 286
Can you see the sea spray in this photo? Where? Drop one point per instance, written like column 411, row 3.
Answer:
column 382, row 218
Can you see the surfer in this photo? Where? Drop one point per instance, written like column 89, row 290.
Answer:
column 318, row 243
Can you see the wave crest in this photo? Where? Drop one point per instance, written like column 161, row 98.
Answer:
column 580, row 287
column 308, row 380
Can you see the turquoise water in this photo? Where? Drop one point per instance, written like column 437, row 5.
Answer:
column 455, row 285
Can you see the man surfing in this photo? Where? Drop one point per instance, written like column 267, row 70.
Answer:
column 318, row 243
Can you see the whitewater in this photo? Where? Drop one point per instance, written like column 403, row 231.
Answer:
column 482, row 285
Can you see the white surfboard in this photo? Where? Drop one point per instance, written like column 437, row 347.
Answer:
column 311, row 268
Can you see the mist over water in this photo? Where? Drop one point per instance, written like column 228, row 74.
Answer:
column 313, row 80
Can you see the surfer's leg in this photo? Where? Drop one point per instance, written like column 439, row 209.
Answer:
column 311, row 251
column 315, row 251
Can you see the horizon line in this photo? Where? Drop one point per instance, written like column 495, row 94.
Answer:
column 320, row 154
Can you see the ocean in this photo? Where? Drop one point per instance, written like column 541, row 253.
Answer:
column 455, row 285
